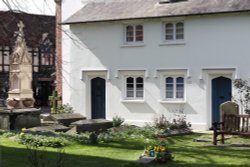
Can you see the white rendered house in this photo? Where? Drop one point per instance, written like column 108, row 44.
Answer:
column 141, row 58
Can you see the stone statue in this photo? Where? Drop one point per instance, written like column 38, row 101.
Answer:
column 20, row 94
column 18, row 56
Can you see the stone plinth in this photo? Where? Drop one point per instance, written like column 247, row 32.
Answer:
column 91, row 125
column 16, row 119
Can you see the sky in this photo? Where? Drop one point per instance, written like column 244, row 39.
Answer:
column 45, row 7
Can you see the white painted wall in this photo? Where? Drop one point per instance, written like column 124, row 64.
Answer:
column 214, row 46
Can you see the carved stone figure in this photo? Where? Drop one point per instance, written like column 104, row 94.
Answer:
column 20, row 73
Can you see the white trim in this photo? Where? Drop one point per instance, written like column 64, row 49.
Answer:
column 173, row 101
column 137, row 44
column 207, row 75
column 84, row 72
column 119, row 71
column 133, row 73
column 173, row 71
column 132, row 100
column 134, row 42
column 174, row 41
column 163, row 73
column 87, row 76
column 179, row 42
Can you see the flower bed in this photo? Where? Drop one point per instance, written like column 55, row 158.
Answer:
column 158, row 151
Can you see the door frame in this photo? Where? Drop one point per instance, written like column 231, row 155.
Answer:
column 86, row 77
column 209, row 75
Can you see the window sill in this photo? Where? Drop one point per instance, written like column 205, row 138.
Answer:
column 166, row 43
column 173, row 101
column 127, row 45
column 133, row 101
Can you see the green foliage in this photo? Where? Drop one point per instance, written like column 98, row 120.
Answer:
column 66, row 108
column 117, row 121
column 243, row 94
column 6, row 133
column 38, row 141
column 82, row 138
column 179, row 122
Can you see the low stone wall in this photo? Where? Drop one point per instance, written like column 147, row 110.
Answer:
column 17, row 119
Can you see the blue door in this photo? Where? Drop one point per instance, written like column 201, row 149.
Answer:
column 221, row 92
column 98, row 98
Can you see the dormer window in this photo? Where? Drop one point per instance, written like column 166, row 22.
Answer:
column 134, row 33
column 174, row 31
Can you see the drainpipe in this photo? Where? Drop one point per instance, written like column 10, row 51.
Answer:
column 58, row 47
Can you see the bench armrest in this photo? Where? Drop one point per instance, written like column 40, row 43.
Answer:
column 216, row 125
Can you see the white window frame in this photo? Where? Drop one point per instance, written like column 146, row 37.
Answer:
column 133, row 74
column 174, row 98
column 134, row 34
column 174, row 40
column 174, row 73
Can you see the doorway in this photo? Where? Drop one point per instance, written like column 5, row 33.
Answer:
column 221, row 92
column 98, row 98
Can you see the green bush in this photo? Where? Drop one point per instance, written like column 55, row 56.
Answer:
column 38, row 141
column 117, row 121
column 6, row 133
column 83, row 138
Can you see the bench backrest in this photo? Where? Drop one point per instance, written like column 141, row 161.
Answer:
column 232, row 121
column 228, row 111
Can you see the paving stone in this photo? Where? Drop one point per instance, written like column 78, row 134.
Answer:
column 145, row 160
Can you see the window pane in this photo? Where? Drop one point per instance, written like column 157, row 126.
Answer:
column 130, row 87
column 180, row 31
column 129, row 33
column 139, row 33
column 180, row 87
column 169, row 32
column 139, row 93
column 169, row 80
column 139, row 87
column 180, row 80
column 169, row 87
column 130, row 80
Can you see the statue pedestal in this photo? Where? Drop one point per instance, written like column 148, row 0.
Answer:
column 16, row 119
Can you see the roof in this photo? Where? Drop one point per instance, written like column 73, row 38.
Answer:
column 35, row 27
column 112, row 10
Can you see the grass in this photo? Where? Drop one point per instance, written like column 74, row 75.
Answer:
column 186, row 153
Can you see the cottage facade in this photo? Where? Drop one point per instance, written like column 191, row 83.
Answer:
column 139, row 59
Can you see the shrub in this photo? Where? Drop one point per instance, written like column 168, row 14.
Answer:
column 161, row 122
column 6, row 133
column 83, row 138
column 38, row 141
column 243, row 94
column 117, row 121
column 66, row 108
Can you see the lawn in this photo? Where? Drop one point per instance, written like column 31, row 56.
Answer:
column 186, row 153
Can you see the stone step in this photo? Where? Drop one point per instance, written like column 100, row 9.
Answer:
column 43, row 130
column 65, row 118
column 91, row 125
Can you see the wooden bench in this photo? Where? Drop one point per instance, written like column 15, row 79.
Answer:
column 231, row 124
